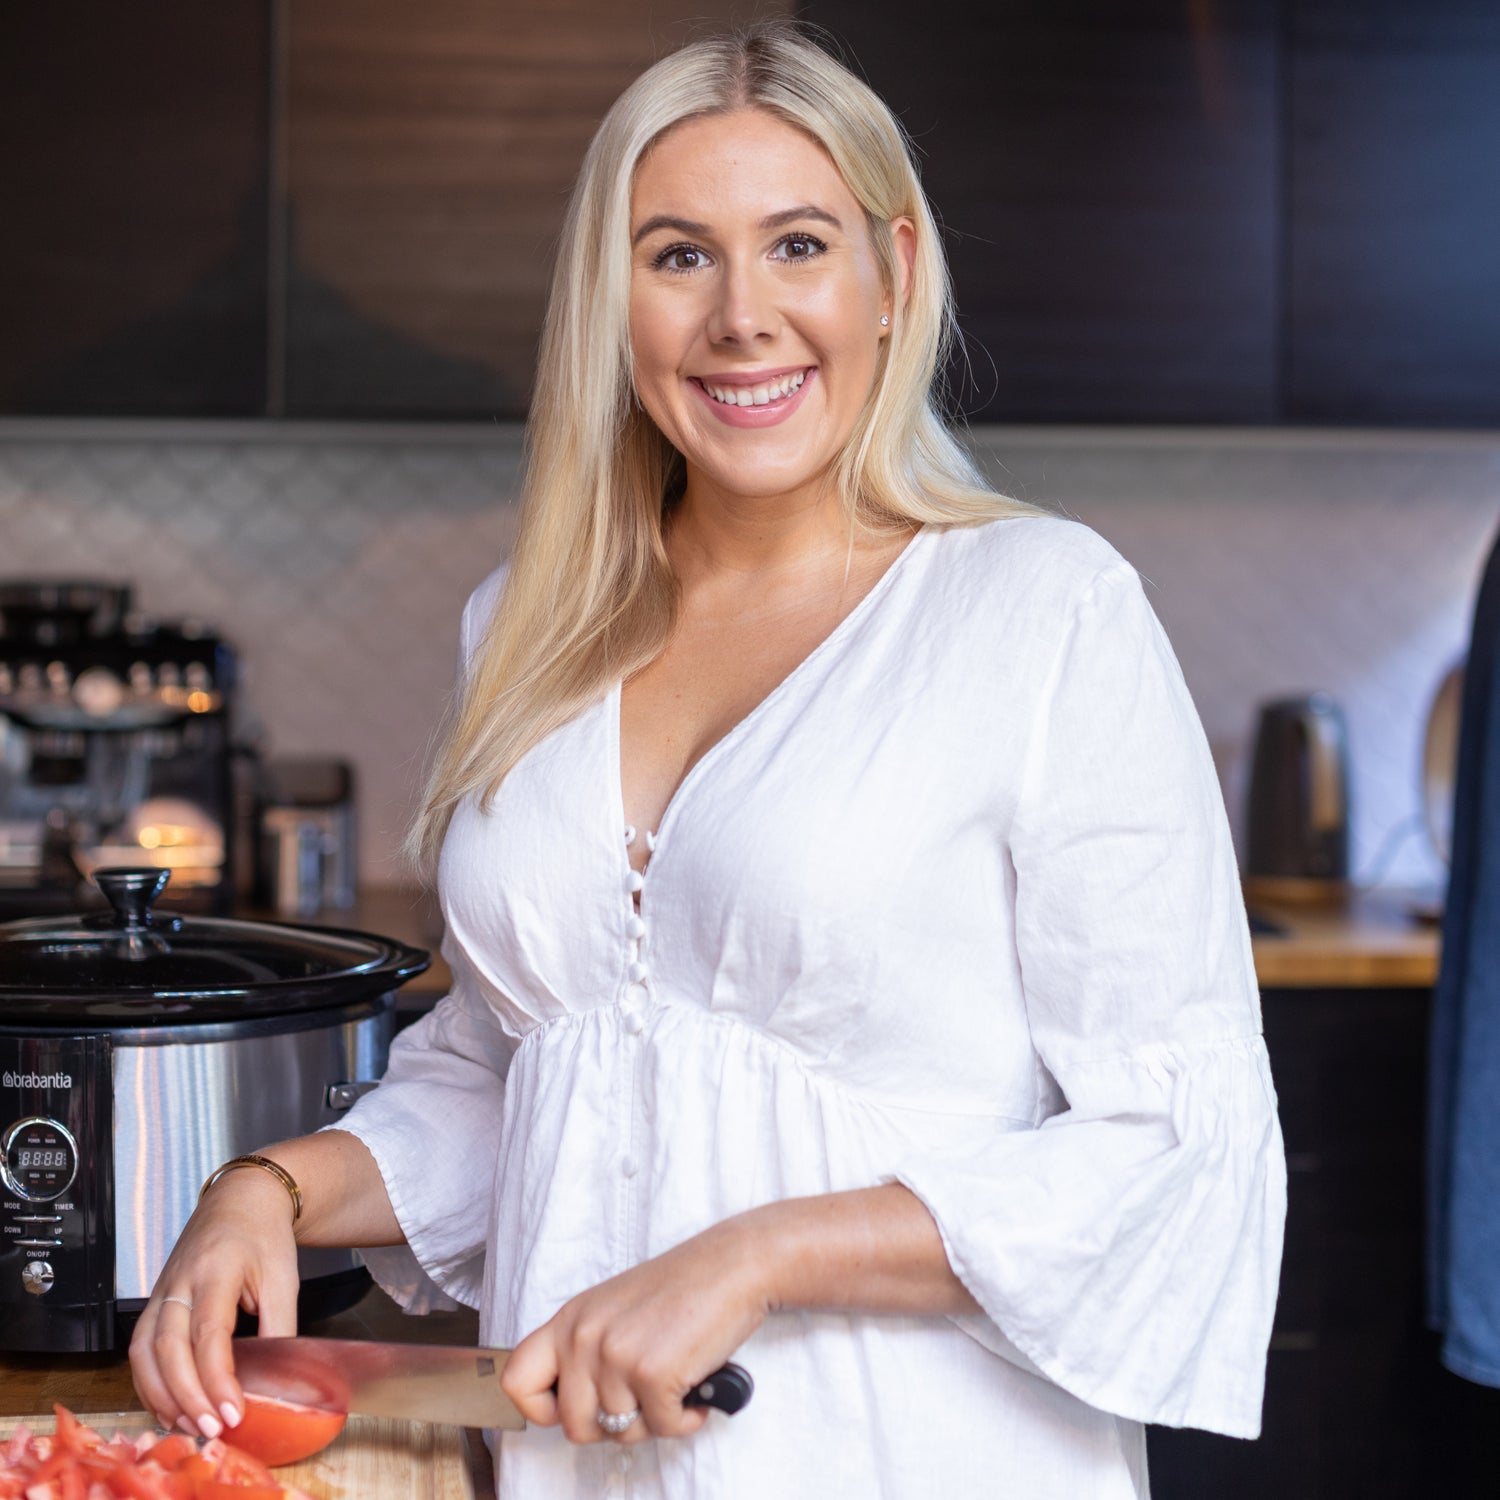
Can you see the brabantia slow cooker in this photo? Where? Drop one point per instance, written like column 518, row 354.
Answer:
column 138, row 1051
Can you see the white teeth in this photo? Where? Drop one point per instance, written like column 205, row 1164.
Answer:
column 758, row 395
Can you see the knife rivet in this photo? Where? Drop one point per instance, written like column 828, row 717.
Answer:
column 706, row 1390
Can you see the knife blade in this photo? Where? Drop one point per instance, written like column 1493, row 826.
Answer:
column 420, row 1382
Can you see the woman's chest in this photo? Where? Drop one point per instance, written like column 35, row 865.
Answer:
column 832, row 872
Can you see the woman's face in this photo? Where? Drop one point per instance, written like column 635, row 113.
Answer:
column 755, row 303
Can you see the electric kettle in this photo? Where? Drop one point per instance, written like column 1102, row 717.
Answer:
column 1297, row 820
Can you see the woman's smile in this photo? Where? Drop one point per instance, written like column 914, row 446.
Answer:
column 756, row 304
column 755, row 400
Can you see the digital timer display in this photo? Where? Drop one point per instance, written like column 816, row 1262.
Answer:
column 39, row 1159
column 25, row 1158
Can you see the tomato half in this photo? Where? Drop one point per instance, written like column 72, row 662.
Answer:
column 282, row 1432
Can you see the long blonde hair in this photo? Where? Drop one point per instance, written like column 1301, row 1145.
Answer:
column 590, row 597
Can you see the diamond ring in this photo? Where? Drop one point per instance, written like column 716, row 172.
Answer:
column 615, row 1422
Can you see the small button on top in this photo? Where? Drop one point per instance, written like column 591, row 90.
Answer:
column 629, row 1166
column 639, row 973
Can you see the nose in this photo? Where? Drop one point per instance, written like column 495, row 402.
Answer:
column 744, row 310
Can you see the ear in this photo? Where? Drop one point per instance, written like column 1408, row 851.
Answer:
column 904, row 244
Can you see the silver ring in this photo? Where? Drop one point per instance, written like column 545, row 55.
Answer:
column 183, row 1300
column 616, row 1422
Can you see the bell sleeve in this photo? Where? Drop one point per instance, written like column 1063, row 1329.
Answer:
column 1128, row 1245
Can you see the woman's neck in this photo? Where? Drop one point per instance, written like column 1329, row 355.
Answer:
column 714, row 533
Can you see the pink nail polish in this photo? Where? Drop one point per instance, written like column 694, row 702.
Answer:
column 188, row 1425
column 209, row 1425
column 231, row 1415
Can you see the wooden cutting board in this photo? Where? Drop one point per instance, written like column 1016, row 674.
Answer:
column 374, row 1458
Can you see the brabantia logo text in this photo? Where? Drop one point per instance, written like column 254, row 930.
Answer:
column 38, row 1080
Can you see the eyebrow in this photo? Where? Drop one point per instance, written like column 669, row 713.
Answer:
column 803, row 212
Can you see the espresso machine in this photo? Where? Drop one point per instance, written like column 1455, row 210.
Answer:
column 115, row 748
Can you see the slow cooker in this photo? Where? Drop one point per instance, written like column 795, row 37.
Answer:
column 138, row 1051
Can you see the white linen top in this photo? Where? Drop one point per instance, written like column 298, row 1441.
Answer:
column 955, row 906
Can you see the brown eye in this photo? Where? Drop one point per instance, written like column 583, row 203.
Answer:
column 679, row 258
column 799, row 247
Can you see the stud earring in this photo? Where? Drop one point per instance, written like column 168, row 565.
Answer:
column 885, row 322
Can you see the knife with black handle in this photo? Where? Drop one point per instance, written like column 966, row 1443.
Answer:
column 420, row 1382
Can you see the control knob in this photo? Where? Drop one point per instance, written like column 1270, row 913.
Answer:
column 37, row 1277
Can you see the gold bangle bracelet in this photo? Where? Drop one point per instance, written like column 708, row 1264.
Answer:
column 265, row 1163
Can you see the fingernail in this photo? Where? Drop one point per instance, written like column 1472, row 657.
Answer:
column 188, row 1425
column 162, row 1422
column 209, row 1425
column 231, row 1414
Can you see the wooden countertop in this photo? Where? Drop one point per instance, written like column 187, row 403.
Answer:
column 1374, row 939
column 1380, row 939
column 101, row 1382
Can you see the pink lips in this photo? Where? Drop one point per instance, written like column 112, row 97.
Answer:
column 757, row 416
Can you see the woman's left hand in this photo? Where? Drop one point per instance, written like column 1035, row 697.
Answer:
column 641, row 1341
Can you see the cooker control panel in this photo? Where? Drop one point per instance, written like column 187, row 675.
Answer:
column 57, row 1233
column 38, row 1159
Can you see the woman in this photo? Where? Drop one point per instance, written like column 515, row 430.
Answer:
column 849, row 968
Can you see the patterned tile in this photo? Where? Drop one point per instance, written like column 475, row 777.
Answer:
column 337, row 560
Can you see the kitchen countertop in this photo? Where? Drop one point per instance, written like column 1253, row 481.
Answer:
column 1373, row 939
column 91, row 1383
column 1386, row 938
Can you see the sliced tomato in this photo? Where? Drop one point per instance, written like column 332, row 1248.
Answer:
column 72, row 1434
column 234, row 1466
column 171, row 1450
column 214, row 1489
column 283, row 1432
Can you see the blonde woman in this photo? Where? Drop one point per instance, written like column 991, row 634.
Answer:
column 850, row 975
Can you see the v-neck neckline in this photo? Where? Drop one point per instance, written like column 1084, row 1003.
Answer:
column 742, row 724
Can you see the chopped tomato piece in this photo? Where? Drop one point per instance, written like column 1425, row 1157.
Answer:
column 171, row 1450
column 213, row 1489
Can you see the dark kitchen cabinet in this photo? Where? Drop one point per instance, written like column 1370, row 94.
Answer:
column 133, row 194
column 1240, row 211
column 1357, row 1405
column 1108, row 177
column 1393, row 295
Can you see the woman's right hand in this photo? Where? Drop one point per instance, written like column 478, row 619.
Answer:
column 236, row 1251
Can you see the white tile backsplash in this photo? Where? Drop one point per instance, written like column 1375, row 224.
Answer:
column 336, row 558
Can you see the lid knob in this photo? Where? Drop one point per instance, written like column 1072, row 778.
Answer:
column 130, row 890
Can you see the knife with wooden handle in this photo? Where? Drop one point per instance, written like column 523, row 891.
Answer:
column 420, row 1382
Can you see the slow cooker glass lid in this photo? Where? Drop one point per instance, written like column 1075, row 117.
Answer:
column 132, row 962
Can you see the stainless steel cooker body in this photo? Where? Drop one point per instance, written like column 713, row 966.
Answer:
column 185, row 1103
